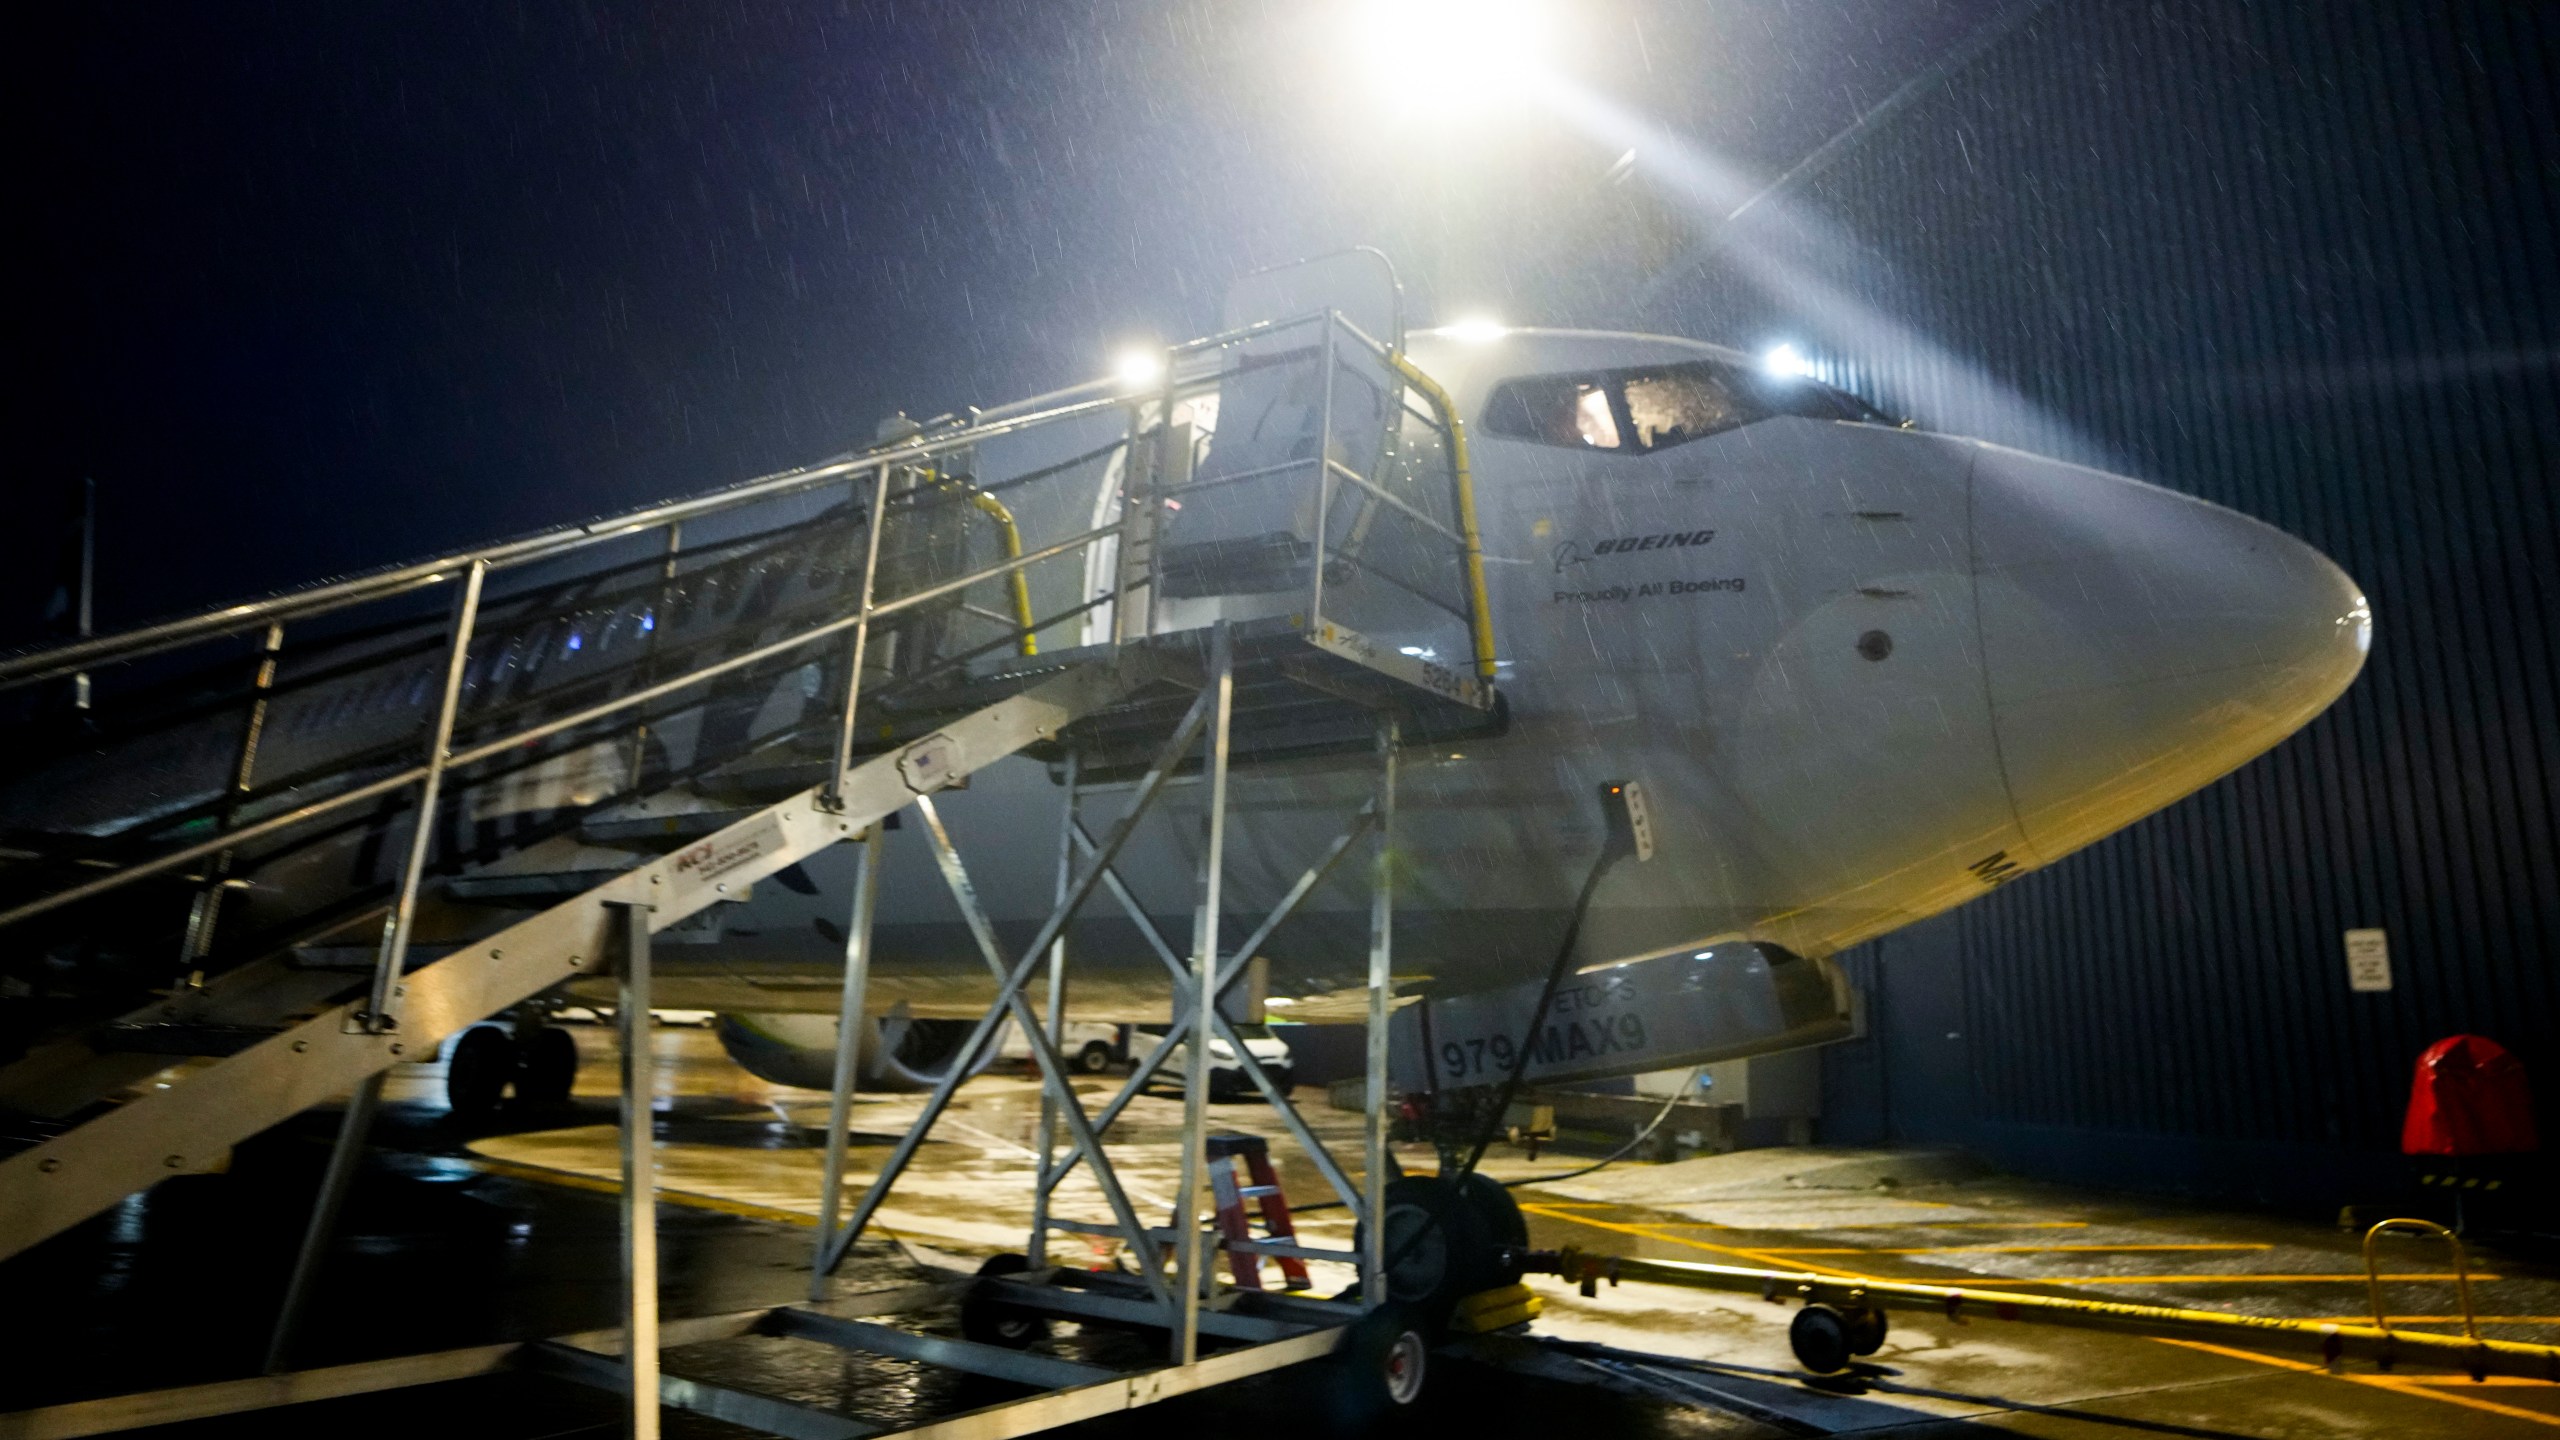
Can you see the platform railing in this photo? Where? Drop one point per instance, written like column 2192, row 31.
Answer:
column 1193, row 370
column 1094, row 397
column 361, row 1038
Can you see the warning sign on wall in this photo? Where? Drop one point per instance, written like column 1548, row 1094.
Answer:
column 2368, row 960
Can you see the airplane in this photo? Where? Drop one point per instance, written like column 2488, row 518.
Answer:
column 1864, row 671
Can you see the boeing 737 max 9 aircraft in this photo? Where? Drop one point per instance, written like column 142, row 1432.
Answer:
column 1864, row 672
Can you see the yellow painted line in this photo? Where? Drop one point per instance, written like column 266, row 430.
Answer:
column 572, row 1180
column 1969, row 1225
column 2364, row 1319
column 2398, row 1385
column 2003, row 1249
column 1650, row 1233
column 1681, row 1224
column 1871, row 1225
column 2445, row 1279
column 1788, row 1260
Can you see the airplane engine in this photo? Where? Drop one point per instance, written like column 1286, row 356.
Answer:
column 897, row 1053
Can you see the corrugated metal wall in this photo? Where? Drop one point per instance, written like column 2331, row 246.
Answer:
column 2302, row 259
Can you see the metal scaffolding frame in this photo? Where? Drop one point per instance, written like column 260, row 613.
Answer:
column 306, row 1044
column 1094, row 702
column 1179, row 1290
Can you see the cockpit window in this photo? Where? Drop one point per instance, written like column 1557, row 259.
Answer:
column 1681, row 403
column 1798, row 395
column 1595, row 421
column 1643, row 409
column 1568, row 410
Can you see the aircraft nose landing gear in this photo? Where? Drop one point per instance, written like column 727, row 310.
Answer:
column 477, row 1072
column 541, row 1062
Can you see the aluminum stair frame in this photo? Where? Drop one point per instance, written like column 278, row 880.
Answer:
column 70, row 1177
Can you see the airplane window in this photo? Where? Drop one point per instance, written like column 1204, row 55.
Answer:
column 1568, row 410
column 1680, row 403
column 1798, row 395
column 1655, row 407
column 1593, row 420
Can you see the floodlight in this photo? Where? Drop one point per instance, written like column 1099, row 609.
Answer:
column 1442, row 58
column 1786, row 360
column 1138, row 369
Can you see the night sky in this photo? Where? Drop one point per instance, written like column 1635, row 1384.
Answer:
column 311, row 288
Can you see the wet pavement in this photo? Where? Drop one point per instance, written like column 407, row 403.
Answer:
column 457, row 1236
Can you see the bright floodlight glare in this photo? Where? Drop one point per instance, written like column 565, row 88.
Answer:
column 1443, row 58
column 1138, row 369
column 1786, row 360
column 1476, row 330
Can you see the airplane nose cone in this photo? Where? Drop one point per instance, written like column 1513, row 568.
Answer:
column 2139, row 644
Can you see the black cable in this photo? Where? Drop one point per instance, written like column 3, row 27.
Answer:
column 1623, row 1151
column 1619, row 841
column 1604, row 1162
column 1610, row 850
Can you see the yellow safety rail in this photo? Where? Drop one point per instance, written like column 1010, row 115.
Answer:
column 2461, row 1270
column 1003, row 517
column 1481, row 621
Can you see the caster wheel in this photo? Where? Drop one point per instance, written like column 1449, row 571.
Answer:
column 1379, row 1373
column 1866, row 1330
column 992, row 1322
column 1820, row 1337
column 475, row 1078
column 548, row 1068
column 1094, row 1058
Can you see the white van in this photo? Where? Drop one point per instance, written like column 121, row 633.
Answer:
column 1089, row 1047
column 1226, row 1076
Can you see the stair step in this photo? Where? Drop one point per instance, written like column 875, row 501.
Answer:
column 765, row 784
column 177, row 1037
column 533, row 885
column 248, row 1083
column 660, row 829
column 358, row 959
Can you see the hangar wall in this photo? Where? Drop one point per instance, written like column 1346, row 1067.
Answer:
column 2300, row 259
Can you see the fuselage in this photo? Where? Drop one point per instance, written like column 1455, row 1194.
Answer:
column 1865, row 673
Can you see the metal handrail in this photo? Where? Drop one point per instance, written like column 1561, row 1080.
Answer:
column 1462, row 478
column 2461, row 1270
column 415, row 774
column 1011, row 535
column 32, row 666
column 475, row 567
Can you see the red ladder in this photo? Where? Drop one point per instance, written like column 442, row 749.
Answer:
column 1233, row 1224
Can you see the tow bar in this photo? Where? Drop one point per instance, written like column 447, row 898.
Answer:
column 1844, row 1317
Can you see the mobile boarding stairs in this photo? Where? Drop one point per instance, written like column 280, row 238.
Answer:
column 283, row 846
